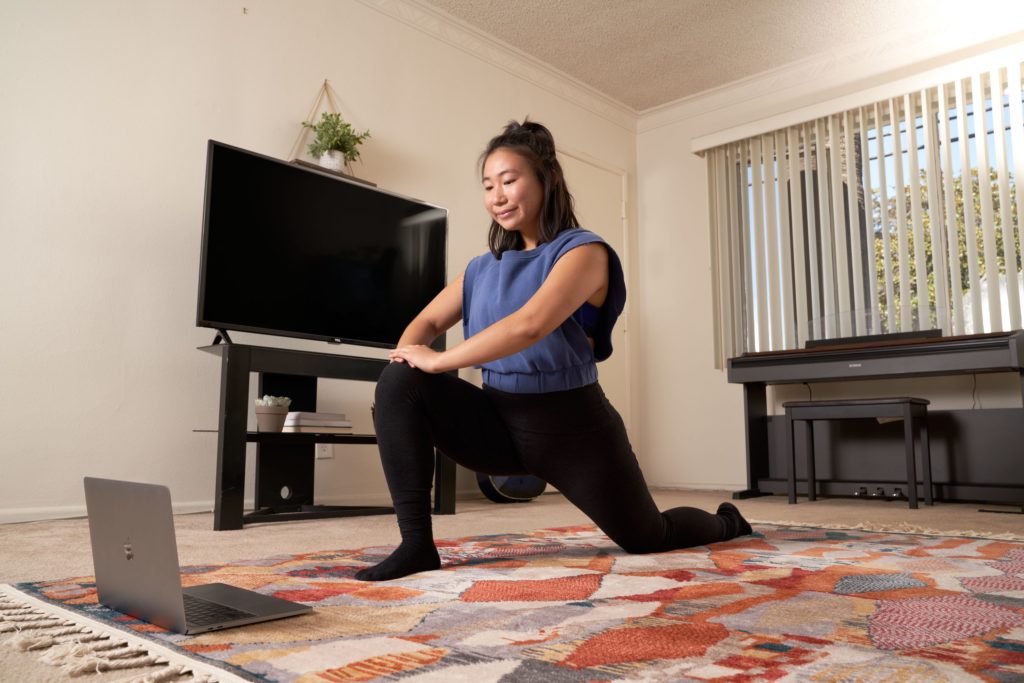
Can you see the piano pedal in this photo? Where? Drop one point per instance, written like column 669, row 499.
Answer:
column 879, row 493
column 897, row 494
column 861, row 492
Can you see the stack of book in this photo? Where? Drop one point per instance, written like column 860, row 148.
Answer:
column 317, row 423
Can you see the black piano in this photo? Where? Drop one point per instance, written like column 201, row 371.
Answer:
column 980, row 453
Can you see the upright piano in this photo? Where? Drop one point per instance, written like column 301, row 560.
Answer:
column 877, row 359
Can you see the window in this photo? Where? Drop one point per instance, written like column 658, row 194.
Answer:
column 897, row 216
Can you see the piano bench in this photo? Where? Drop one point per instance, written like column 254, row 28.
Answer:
column 913, row 412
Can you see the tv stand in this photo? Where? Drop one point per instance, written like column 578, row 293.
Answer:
column 285, row 461
column 222, row 335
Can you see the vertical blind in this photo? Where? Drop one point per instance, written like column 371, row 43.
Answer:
column 897, row 216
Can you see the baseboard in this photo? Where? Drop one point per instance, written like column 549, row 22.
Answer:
column 380, row 498
column 46, row 513
column 698, row 486
column 39, row 514
column 42, row 514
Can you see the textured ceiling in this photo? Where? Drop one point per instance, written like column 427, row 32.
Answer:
column 645, row 53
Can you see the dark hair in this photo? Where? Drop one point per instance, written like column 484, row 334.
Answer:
column 534, row 143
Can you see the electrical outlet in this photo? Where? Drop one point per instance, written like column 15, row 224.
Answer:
column 324, row 451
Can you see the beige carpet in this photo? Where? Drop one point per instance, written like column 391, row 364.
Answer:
column 58, row 549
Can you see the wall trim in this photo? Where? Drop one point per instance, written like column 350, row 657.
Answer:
column 959, row 69
column 55, row 512
column 823, row 77
column 444, row 27
column 699, row 486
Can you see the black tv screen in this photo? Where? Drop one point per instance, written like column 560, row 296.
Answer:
column 296, row 252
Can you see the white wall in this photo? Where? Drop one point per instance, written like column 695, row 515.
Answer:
column 105, row 111
column 690, row 420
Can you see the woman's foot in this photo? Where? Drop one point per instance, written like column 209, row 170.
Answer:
column 408, row 558
column 735, row 523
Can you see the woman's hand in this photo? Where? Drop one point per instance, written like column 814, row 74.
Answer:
column 418, row 356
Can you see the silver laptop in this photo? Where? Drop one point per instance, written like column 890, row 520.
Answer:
column 135, row 556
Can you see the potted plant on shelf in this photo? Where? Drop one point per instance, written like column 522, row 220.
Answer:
column 271, row 412
column 336, row 144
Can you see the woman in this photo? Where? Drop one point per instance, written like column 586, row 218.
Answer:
column 537, row 313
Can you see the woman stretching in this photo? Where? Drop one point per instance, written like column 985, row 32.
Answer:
column 537, row 314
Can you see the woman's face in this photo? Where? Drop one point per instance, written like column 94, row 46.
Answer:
column 513, row 194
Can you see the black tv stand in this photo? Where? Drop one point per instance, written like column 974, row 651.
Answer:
column 285, row 461
column 221, row 335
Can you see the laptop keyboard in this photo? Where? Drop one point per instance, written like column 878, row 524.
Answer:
column 199, row 612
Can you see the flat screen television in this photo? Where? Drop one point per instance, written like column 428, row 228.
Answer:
column 295, row 252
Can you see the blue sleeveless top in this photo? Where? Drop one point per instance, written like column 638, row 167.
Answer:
column 495, row 288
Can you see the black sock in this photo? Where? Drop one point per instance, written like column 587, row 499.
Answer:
column 409, row 557
column 736, row 525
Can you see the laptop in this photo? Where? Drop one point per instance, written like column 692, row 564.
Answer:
column 135, row 556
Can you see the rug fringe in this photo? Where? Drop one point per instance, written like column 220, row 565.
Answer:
column 81, row 647
column 91, row 665
column 60, row 653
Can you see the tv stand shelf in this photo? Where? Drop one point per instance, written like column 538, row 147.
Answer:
column 285, row 460
column 308, row 438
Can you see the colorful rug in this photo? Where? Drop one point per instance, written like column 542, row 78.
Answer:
column 789, row 603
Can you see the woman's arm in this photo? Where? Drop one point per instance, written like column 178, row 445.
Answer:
column 436, row 317
column 575, row 278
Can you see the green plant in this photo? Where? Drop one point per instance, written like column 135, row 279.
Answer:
column 275, row 401
column 333, row 132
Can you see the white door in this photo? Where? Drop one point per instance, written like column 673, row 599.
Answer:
column 600, row 203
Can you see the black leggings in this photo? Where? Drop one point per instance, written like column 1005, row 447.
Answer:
column 574, row 440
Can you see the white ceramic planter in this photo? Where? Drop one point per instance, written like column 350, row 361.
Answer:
column 333, row 159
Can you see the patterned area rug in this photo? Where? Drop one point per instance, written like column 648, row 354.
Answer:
column 791, row 603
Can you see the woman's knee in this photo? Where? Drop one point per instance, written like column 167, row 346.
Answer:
column 397, row 380
column 640, row 546
column 639, row 541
